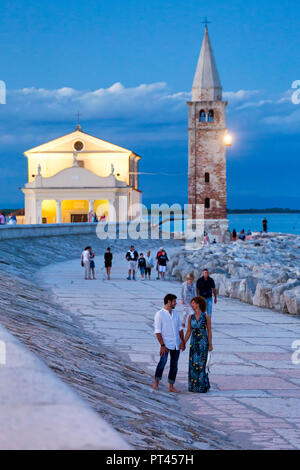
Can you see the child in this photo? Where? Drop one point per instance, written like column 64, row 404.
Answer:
column 142, row 265
column 188, row 292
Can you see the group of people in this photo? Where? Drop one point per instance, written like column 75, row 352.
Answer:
column 88, row 262
column 10, row 220
column 169, row 330
column 241, row 236
column 247, row 236
column 197, row 301
column 145, row 263
column 92, row 217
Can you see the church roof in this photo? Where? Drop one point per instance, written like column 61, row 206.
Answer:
column 206, row 85
column 65, row 144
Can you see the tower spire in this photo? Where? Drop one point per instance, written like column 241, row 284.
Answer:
column 206, row 84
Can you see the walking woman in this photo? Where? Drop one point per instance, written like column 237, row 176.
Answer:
column 108, row 262
column 199, row 328
column 92, row 262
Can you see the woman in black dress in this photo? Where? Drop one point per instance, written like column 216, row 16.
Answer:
column 108, row 262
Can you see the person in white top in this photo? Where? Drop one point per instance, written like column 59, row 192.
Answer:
column 169, row 333
column 85, row 262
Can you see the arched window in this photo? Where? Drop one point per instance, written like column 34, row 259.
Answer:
column 207, row 203
column 206, row 177
column 211, row 117
column 202, row 116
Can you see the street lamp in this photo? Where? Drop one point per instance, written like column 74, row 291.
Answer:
column 228, row 140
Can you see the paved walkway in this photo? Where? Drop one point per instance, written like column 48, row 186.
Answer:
column 255, row 395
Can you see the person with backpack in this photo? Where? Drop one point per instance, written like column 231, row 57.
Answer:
column 132, row 257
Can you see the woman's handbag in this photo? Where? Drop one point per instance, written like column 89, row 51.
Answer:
column 209, row 362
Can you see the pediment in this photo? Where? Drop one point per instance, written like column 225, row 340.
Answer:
column 66, row 144
column 76, row 177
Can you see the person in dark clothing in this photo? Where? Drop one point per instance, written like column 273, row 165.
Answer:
column 142, row 265
column 242, row 235
column 162, row 263
column 132, row 257
column 108, row 262
column 265, row 224
column 206, row 288
column 234, row 235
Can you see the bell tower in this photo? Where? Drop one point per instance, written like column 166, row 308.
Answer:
column 206, row 138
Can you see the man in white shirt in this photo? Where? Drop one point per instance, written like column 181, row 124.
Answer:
column 169, row 333
column 85, row 262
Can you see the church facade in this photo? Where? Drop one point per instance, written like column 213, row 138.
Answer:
column 207, row 145
column 78, row 174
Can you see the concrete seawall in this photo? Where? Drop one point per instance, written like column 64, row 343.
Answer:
column 8, row 232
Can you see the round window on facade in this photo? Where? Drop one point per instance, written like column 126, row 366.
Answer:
column 78, row 145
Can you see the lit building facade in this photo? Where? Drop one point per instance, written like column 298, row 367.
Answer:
column 77, row 174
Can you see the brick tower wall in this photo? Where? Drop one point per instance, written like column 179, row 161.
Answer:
column 207, row 154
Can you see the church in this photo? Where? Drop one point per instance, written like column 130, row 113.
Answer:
column 78, row 174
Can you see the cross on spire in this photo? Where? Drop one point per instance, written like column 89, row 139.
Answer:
column 205, row 22
column 78, row 126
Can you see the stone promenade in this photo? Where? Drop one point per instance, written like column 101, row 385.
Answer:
column 255, row 394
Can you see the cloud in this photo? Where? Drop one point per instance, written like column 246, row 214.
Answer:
column 240, row 95
column 149, row 118
column 147, row 112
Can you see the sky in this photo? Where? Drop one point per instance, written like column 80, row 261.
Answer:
column 128, row 68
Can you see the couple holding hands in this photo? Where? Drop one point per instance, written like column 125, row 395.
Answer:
column 170, row 335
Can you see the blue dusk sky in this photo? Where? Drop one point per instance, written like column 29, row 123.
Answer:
column 128, row 68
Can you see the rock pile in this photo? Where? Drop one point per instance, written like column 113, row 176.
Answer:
column 264, row 271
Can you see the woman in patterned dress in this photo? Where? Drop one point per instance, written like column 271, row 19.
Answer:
column 199, row 326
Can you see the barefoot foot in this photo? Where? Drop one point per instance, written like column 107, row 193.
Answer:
column 155, row 385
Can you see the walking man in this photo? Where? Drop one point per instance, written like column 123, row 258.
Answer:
column 132, row 257
column 85, row 262
column 162, row 264
column 206, row 288
column 169, row 334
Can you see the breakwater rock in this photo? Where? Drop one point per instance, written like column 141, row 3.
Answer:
column 264, row 271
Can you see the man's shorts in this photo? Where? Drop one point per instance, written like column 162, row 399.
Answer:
column 132, row 265
column 162, row 269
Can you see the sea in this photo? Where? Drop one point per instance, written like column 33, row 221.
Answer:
column 285, row 223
